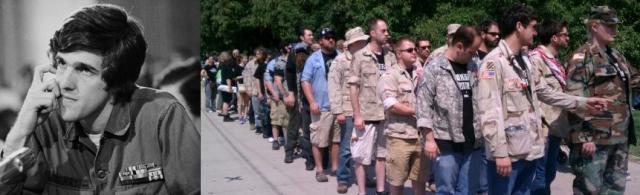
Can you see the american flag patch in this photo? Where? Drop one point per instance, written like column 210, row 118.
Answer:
column 488, row 74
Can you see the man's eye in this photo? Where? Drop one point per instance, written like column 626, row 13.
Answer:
column 59, row 64
column 84, row 70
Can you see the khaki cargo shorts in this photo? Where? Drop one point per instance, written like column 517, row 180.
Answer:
column 324, row 128
column 371, row 143
column 406, row 161
column 278, row 115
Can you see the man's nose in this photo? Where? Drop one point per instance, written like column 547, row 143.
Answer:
column 66, row 79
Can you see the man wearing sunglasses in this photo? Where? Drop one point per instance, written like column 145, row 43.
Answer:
column 599, row 144
column 490, row 35
column 424, row 49
column 554, row 37
column 324, row 129
column 404, row 144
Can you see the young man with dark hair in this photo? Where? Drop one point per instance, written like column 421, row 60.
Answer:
column 424, row 49
column 455, row 148
column 554, row 36
column 368, row 112
column 506, row 106
column 490, row 35
column 600, row 144
column 294, row 100
column 91, row 129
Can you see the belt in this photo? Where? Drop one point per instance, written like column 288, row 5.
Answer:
column 372, row 122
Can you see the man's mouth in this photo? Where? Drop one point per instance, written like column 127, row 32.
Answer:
column 67, row 98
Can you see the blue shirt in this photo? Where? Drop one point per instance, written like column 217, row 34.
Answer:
column 315, row 73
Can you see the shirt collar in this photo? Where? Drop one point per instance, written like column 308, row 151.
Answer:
column 546, row 52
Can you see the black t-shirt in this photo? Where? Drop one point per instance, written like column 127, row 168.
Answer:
column 462, row 78
column 211, row 70
column 482, row 54
column 228, row 72
column 380, row 58
column 328, row 58
column 259, row 74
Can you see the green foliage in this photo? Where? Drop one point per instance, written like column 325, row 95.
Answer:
column 246, row 24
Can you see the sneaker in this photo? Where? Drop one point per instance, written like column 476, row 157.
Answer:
column 281, row 140
column 270, row 140
column 258, row 130
column 227, row 118
column 288, row 157
column 342, row 188
column 242, row 120
column 252, row 126
column 333, row 173
column 275, row 146
column 321, row 177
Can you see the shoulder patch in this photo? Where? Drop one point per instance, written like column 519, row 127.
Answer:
column 488, row 71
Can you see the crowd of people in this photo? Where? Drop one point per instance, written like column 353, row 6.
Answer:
column 485, row 113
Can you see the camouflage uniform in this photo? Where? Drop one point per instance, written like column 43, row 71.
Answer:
column 507, row 111
column 249, row 80
column 365, row 74
column 440, row 101
column 507, row 107
column 594, row 73
column 339, row 98
column 404, row 144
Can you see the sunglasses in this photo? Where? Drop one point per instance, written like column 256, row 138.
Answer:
column 425, row 47
column 409, row 50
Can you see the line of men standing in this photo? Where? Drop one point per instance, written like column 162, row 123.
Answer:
column 478, row 115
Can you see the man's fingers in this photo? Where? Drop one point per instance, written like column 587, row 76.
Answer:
column 52, row 87
column 40, row 70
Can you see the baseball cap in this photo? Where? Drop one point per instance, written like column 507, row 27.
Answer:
column 605, row 14
column 327, row 32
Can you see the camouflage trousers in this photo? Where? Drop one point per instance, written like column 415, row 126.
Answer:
column 601, row 173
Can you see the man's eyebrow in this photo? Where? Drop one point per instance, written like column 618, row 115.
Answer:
column 86, row 66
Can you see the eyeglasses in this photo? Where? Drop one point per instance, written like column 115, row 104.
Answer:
column 495, row 34
column 409, row 50
column 425, row 47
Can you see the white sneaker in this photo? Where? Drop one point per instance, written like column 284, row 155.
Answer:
column 270, row 139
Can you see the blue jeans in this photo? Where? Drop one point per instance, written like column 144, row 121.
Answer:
column 546, row 167
column 458, row 173
column 207, row 92
column 518, row 182
column 257, row 111
column 266, row 119
column 345, row 172
column 484, row 184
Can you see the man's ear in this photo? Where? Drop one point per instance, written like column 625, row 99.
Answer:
column 519, row 26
